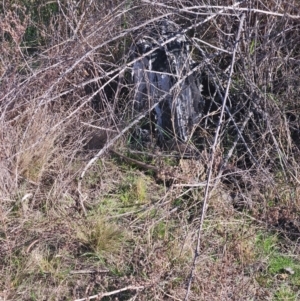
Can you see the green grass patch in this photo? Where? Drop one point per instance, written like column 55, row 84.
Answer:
column 284, row 293
column 133, row 191
column 101, row 237
column 280, row 267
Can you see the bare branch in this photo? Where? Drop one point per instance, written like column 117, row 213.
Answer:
column 211, row 162
column 102, row 295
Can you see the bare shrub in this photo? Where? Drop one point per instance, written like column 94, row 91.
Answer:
column 67, row 98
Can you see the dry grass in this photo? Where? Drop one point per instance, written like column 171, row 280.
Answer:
column 125, row 233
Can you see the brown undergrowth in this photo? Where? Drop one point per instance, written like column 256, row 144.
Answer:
column 129, row 231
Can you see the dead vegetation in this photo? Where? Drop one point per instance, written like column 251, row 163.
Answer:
column 83, row 213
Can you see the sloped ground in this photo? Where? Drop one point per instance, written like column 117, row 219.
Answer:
column 89, row 211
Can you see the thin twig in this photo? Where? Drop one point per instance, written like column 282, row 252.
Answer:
column 240, row 134
column 75, row 272
column 101, row 295
column 222, row 8
column 212, row 46
column 212, row 157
